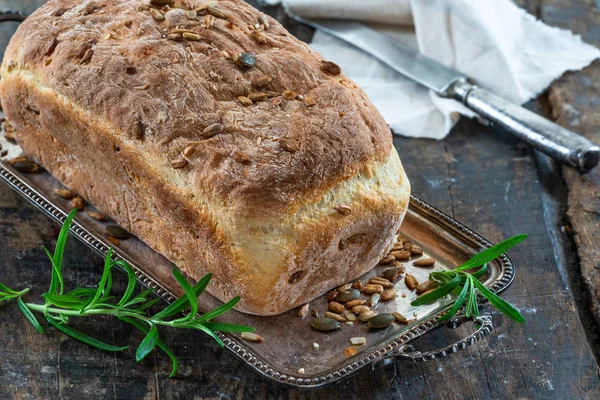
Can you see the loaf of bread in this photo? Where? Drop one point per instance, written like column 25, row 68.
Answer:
column 213, row 135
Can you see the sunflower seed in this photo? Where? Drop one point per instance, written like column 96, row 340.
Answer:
column 343, row 209
column 212, row 130
column 426, row 286
column 358, row 341
column 399, row 317
column 332, row 295
column 209, row 21
column 145, row 86
column 64, row 193
column 401, row 255
column 424, row 262
column 352, row 303
column 314, row 313
column 258, row 96
column 214, row 10
column 138, row 130
column 344, row 287
column 359, row 309
column 411, row 282
column 388, row 295
column 289, row 94
column 87, row 56
column 157, row 14
column 191, row 14
column 252, row 337
column 179, row 163
column 337, row 317
column 258, row 36
column 416, row 251
column 349, row 315
column 381, row 321
column 15, row 160
column 287, row 145
column 309, row 101
column 262, row 81
column 366, row 315
column 26, row 166
column 77, row 202
column 116, row 232
column 381, row 281
column 262, row 18
column 398, row 246
column 387, row 259
column 369, row 289
column 96, row 216
column 335, row 307
column 325, row 324
column 3, row 153
column 174, row 36
column 244, row 101
column 357, row 285
column 303, row 310
column 331, row 68
column 160, row 3
column 316, row 346
column 114, row 241
column 194, row 37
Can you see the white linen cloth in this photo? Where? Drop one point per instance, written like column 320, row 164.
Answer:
column 500, row 45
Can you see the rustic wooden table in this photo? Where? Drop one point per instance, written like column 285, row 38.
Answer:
column 489, row 180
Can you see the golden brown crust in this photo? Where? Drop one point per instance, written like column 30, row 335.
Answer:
column 192, row 84
column 254, row 203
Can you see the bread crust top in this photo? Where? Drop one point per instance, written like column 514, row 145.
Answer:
column 160, row 78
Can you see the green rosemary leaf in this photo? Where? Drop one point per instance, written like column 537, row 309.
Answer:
column 7, row 290
column 130, row 282
column 181, row 304
column 64, row 301
column 219, row 310
column 460, row 300
column 499, row 303
column 29, row 315
column 105, row 279
column 161, row 345
column 438, row 293
column 148, row 304
column 493, row 252
column 209, row 333
column 225, row 327
column 56, row 280
column 148, row 344
column 82, row 337
column 187, row 288
column 480, row 271
column 59, row 250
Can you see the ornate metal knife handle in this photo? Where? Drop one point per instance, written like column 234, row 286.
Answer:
column 12, row 16
column 568, row 147
column 407, row 352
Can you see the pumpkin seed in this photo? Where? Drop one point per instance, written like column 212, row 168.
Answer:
column 325, row 324
column 26, row 166
column 381, row 321
column 411, row 282
column 335, row 307
column 358, row 341
column 343, row 209
column 337, row 317
column 426, row 286
column 388, row 295
column 381, row 281
column 416, row 251
column 387, row 259
column 64, row 193
column 374, row 300
column 157, row 15
column 366, row 315
column 191, row 14
column 349, row 315
column 369, row 289
column 359, row 309
column 303, row 310
column 252, row 337
column 353, row 303
column 246, row 60
column 78, row 203
column 348, row 295
column 178, row 163
column 331, row 68
column 116, row 232
column 212, row 130
column 391, row 274
column 424, row 262
column 96, row 216
column 399, row 317
column 289, row 94
column 262, row 81
column 401, row 254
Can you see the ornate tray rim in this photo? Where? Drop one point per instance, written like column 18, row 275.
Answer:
column 234, row 344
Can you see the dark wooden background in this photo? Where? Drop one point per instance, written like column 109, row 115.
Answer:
column 486, row 179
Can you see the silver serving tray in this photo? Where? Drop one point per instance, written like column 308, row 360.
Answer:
column 289, row 340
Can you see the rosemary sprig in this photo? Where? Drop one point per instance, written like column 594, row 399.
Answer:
column 59, row 306
column 465, row 285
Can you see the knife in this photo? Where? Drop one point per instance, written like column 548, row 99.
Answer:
column 562, row 144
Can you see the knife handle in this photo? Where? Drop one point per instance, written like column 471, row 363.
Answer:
column 568, row 147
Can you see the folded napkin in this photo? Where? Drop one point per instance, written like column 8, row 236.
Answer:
column 501, row 46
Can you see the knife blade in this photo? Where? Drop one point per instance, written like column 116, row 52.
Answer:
column 562, row 144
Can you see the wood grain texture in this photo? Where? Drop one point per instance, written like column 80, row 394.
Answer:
column 486, row 179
